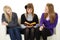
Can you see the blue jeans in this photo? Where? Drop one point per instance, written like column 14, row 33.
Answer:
column 14, row 34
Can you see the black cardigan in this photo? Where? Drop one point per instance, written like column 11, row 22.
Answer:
column 14, row 21
column 23, row 19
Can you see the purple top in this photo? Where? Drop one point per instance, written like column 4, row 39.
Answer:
column 47, row 24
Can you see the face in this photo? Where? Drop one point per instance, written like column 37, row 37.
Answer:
column 8, row 11
column 29, row 10
column 46, row 9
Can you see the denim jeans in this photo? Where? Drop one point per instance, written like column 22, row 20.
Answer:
column 14, row 34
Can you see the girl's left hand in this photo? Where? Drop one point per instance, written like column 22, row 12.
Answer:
column 29, row 26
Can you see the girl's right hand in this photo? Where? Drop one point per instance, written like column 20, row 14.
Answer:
column 4, row 23
column 41, row 28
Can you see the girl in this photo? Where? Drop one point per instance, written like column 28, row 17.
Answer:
column 10, row 20
column 29, row 22
column 47, row 23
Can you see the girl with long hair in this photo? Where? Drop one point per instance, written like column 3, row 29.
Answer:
column 48, row 22
column 10, row 20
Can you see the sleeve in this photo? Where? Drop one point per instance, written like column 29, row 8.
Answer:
column 55, row 22
column 3, row 18
column 22, row 19
column 23, row 26
column 36, row 19
column 37, row 25
column 41, row 20
column 14, row 21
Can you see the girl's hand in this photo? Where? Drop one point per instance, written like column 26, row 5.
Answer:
column 27, row 23
column 41, row 28
column 29, row 26
column 4, row 23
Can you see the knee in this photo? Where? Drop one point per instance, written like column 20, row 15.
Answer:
column 26, row 30
column 32, row 30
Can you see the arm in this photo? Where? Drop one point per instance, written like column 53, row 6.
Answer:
column 14, row 21
column 23, row 21
column 36, row 21
column 4, row 22
column 41, row 20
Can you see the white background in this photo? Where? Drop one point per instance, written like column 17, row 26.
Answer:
column 39, row 6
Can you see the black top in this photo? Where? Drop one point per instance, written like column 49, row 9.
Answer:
column 23, row 19
column 14, row 21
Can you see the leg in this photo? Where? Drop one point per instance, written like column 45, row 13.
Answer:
column 44, row 37
column 26, row 34
column 11, row 32
column 45, row 33
column 17, row 34
column 37, row 34
column 32, row 34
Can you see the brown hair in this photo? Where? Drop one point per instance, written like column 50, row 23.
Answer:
column 29, row 5
column 51, row 12
column 8, row 18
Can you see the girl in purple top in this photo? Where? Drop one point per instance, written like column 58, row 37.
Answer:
column 48, row 22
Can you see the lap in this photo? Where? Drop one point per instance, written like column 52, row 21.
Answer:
column 13, row 30
column 45, row 31
column 27, row 29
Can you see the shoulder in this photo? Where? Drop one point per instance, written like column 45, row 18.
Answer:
column 35, row 15
column 2, row 14
column 56, row 14
column 23, row 15
column 43, row 14
column 14, row 13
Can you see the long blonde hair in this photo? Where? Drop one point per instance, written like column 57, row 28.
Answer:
column 51, row 12
column 8, row 17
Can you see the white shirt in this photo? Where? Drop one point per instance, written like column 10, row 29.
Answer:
column 30, row 17
column 48, row 18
